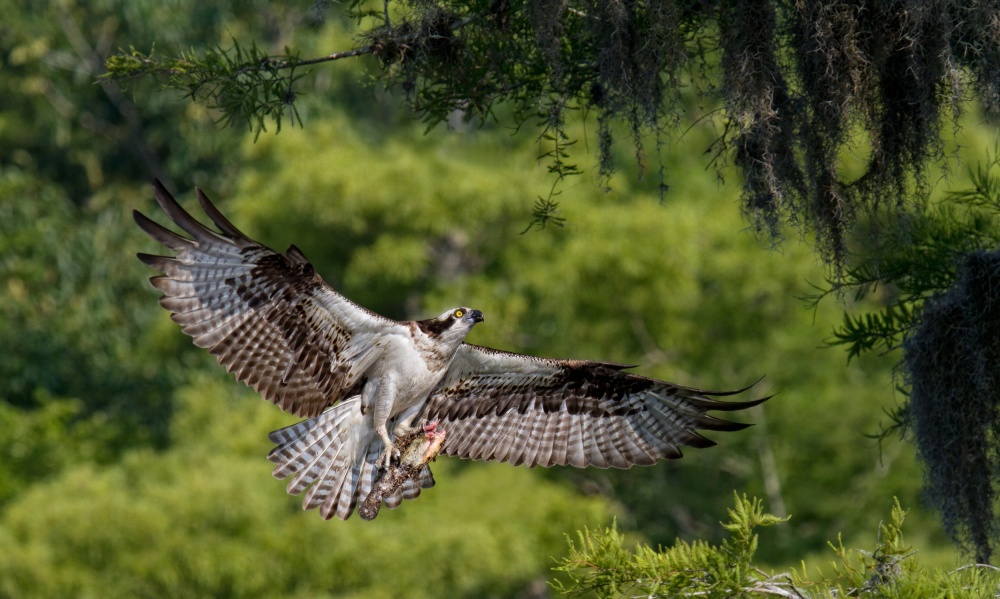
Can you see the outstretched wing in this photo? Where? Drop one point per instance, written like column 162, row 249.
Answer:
column 509, row 407
column 268, row 318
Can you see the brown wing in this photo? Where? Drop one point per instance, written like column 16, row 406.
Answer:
column 268, row 318
column 508, row 407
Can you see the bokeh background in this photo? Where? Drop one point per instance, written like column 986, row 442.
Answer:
column 131, row 465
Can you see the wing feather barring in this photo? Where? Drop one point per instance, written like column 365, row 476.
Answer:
column 381, row 397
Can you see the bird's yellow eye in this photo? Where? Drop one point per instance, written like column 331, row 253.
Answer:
column 458, row 313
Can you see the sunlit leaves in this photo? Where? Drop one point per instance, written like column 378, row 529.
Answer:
column 206, row 519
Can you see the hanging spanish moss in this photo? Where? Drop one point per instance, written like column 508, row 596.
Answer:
column 952, row 365
column 798, row 82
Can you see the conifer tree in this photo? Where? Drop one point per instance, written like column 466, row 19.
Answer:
column 797, row 83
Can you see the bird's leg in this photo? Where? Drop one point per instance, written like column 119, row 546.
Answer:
column 405, row 421
column 391, row 450
column 380, row 416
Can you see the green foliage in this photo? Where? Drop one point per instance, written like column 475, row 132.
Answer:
column 941, row 272
column 600, row 563
column 203, row 521
column 58, row 122
column 37, row 443
column 891, row 571
column 66, row 283
column 866, row 572
column 800, row 85
column 244, row 84
column 918, row 260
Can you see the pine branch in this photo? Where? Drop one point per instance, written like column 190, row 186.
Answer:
column 243, row 83
column 599, row 563
column 916, row 263
column 546, row 210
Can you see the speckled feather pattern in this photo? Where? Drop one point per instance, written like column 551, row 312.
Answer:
column 268, row 318
column 323, row 452
column 273, row 322
column 507, row 407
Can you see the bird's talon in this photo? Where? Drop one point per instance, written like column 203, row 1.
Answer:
column 385, row 460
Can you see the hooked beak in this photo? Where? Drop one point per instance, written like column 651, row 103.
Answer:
column 476, row 316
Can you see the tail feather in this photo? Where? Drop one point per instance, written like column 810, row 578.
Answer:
column 328, row 489
column 334, row 458
column 369, row 471
column 318, row 469
column 338, row 502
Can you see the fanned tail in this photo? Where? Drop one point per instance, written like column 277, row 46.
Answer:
column 335, row 455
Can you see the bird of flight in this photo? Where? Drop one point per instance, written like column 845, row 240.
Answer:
column 381, row 397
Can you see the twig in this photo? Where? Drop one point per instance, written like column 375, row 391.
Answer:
column 967, row 566
column 333, row 56
column 793, row 594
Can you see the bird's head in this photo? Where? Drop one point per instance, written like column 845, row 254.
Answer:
column 453, row 325
column 463, row 316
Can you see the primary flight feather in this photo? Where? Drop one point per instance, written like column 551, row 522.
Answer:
column 362, row 380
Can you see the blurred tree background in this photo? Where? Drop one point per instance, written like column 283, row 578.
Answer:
column 130, row 465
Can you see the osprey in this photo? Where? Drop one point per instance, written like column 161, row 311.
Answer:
column 361, row 380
